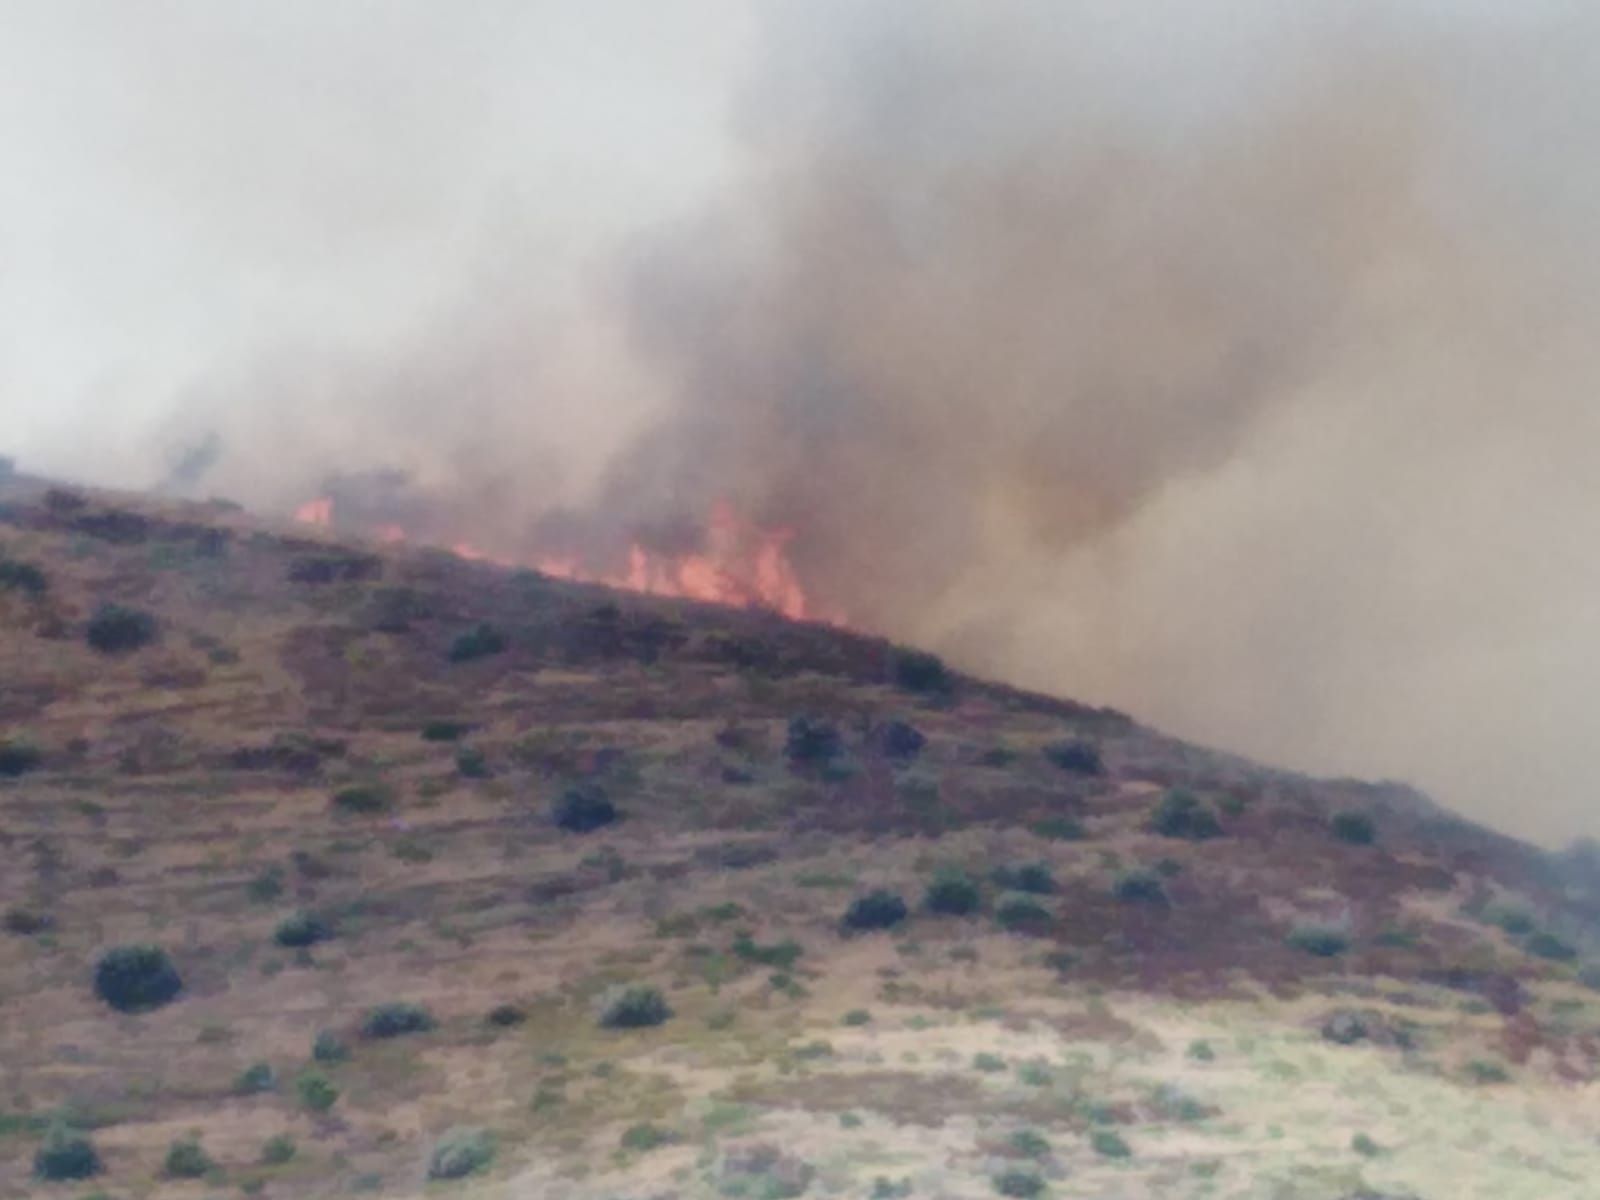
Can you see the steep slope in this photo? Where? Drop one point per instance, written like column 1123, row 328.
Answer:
column 1128, row 966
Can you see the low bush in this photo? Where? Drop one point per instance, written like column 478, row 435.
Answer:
column 1060, row 829
column 1076, row 755
column 503, row 1016
column 18, row 756
column 901, row 740
column 857, row 1017
column 363, row 799
column 989, row 1064
column 1029, row 1143
column 396, row 1020
column 315, row 1091
column 781, row 955
column 1019, row 1182
column 642, row 1138
column 1545, row 944
column 301, row 929
column 25, row 922
column 187, row 1159
column 471, row 763
column 953, row 895
column 22, row 577
column 328, row 1047
column 1322, row 941
column 115, row 629
column 65, row 1155
column 445, row 731
column 1365, row 1146
column 1022, row 914
column 918, row 671
column 876, row 910
column 636, row 1007
column 583, row 808
column 255, row 1079
column 1182, row 815
column 277, row 1150
column 136, row 978
column 1034, row 878
column 1354, row 827
column 812, row 741
column 481, row 641
column 1108, row 1143
column 1140, row 886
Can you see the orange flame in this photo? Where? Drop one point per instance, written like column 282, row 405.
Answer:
column 317, row 512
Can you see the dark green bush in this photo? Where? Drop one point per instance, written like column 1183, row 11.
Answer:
column 22, row 577
column 256, row 1078
column 636, row 1007
column 187, row 1159
column 276, row 1151
column 901, row 740
column 811, row 740
column 1182, row 815
column 645, row 1137
column 1077, row 755
column 876, row 910
column 328, row 1047
column 583, row 808
column 315, row 1091
column 1034, row 878
column 1319, row 940
column 1547, row 945
column 471, row 763
column 363, row 799
column 781, row 955
column 1022, row 914
column 25, row 922
column 1018, row 1182
column 302, row 929
column 66, row 1154
column 953, row 895
column 1109, row 1144
column 445, row 731
column 1354, row 827
column 1030, row 1143
column 18, row 757
column 1061, row 829
column 460, row 1152
column 396, row 1020
column 137, row 978
column 115, row 629
column 1140, row 887
column 918, row 671
column 481, row 641
column 503, row 1016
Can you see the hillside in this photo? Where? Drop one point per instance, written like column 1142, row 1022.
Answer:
column 1127, row 966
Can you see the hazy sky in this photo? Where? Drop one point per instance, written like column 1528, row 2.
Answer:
column 1230, row 360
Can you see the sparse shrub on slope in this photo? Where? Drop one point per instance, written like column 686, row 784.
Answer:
column 460, row 1152
column 876, row 910
column 1034, row 878
column 504, row 1016
column 396, row 1020
column 65, row 1155
column 1076, row 755
column 18, row 756
column 1323, row 941
column 1182, row 815
column 1019, row 1182
column 277, row 1150
column 1354, row 827
column 187, row 1159
column 471, row 763
column 363, row 799
column 781, row 955
column 1548, row 945
column 115, row 629
column 901, row 740
column 445, row 731
column 918, row 671
column 22, row 577
column 329, row 1047
column 254, row 1079
column 1140, row 887
column 636, row 1007
column 481, row 641
column 315, row 1091
column 1022, row 914
column 812, row 741
column 137, row 978
column 953, row 895
column 302, row 929
column 583, row 808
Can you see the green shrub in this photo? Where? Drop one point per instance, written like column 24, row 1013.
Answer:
column 857, row 1017
column 22, row 577
column 918, row 671
column 1201, row 1051
column 1060, row 829
column 1076, row 755
column 782, row 955
column 18, row 757
column 635, row 1007
column 876, row 910
column 1022, row 914
column 1181, row 815
column 1354, row 827
column 953, row 895
column 1481, row 1070
column 645, row 1137
column 115, row 629
column 396, row 1020
column 65, row 1154
column 136, row 978
column 328, row 1047
column 187, row 1159
column 1140, row 886
column 503, row 1016
column 25, row 922
column 460, row 1152
column 1547, row 945
column 445, row 731
column 1034, row 878
column 1320, row 940
column 812, row 741
column 315, row 1091
column 301, row 929
column 363, row 799
column 267, row 886
column 1018, row 1182
column 1109, row 1144
column 1365, row 1146
column 481, row 641
column 254, row 1079
column 471, row 763
column 277, row 1150
column 988, row 1063
column 1030, row 1143
column 901, row 740
column 583, row 808
column 1513, row 918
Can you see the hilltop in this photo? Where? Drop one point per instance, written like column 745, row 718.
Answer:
column 552, row 890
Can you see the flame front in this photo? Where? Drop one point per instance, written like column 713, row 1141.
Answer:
column 742, row 564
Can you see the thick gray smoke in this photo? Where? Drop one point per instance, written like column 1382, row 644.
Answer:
column 1231, row 366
